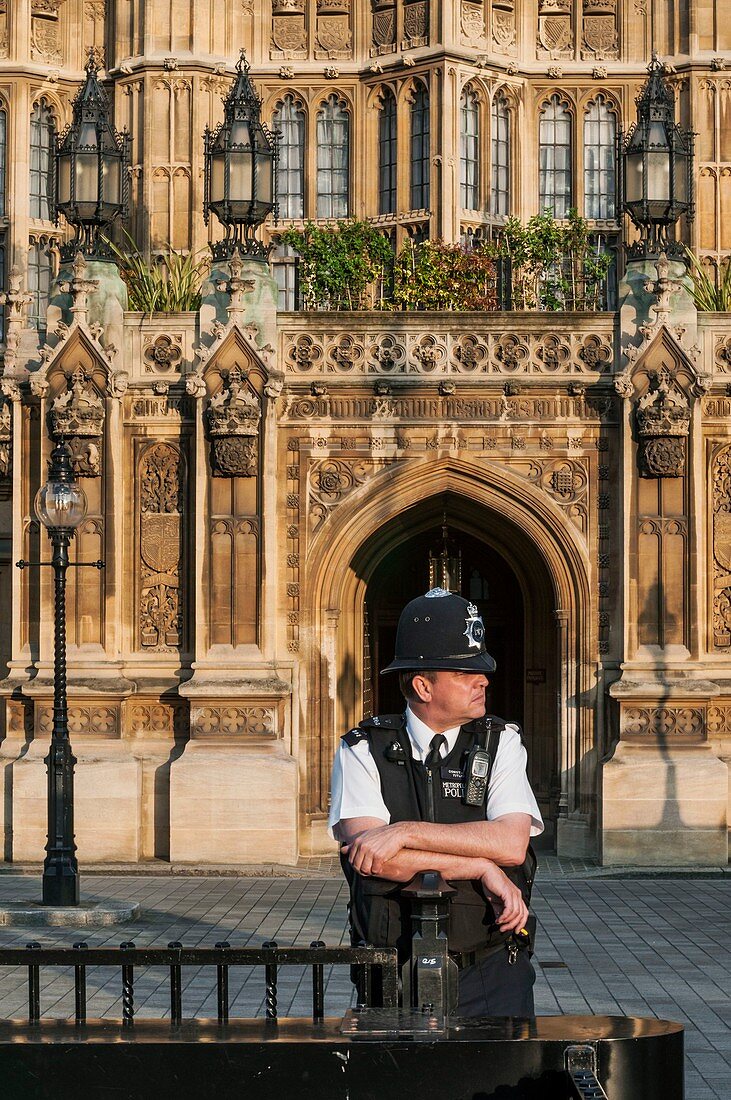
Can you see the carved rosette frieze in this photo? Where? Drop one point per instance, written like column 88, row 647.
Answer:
column 161, row 480
column 663, row 423
column 77, row 416
column 233, row 417
column 6, row 437
column 445, row 353
column 233, row 721
column 681, row 723
column 721, row 483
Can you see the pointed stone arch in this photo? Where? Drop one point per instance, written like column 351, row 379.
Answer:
column 343, row 555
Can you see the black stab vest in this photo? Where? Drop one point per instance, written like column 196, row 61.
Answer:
column 377, row 914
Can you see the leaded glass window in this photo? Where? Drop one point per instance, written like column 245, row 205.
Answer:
column 290, row 121
column 420, row 149
column 469, row 150
column 41, row 160
column 333, row 137
column 555, row 158
column 500, row 182
column 600, row 135
column 387, row 154
column 39, row 285
column 3, row 157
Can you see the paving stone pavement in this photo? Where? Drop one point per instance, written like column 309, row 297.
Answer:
column 631, row 945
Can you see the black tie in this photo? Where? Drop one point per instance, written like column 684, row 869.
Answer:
column 435, row 745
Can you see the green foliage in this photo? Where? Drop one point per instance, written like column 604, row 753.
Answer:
column 555, row 265
column 342, row 265
column 173, row 285
column 434, row 275
column 709, row 294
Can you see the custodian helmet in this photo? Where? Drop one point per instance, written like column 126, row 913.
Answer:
column 441, row 630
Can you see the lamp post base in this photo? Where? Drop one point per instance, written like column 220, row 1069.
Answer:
column 60, row 884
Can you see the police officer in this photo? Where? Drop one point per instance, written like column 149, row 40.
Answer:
column 442, row 787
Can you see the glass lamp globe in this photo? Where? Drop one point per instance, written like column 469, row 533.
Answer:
column 60, row 505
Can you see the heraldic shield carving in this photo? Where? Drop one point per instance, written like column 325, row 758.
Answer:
column 233, row 417
column 161, row 493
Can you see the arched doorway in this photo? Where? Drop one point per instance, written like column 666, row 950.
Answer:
column 505, row 576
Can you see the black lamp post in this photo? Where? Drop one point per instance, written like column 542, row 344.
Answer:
column 60, row 505
column 90, row 184
column 240, row 170
column 656, row 174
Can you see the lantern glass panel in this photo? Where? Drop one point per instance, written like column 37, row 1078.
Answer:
column 658, row 176
column 264, row 175
column 111, row 179
column 240, row 133
column 87, row 177
column 635, row 176
column 64, row 179
column 240, row 180
column 681, row 177
column 87, row 138
column 217, row 176
column 657, row 136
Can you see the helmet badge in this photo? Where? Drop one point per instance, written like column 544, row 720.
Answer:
column 474, row 628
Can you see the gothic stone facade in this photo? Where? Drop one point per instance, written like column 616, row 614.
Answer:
column 255, row 476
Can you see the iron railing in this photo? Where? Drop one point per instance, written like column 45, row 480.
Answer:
column 127, row 958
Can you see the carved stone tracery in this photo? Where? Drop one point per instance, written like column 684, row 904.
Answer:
column 161, row 480
column 721, row 475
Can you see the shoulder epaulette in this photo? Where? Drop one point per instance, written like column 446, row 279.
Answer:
column 352, row 737
column 383, row 722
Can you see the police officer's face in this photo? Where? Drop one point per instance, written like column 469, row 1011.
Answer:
column 449, row 698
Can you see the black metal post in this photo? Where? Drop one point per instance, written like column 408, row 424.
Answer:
column 60, row 868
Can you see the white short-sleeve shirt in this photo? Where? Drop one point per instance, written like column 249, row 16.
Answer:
column 356, row 785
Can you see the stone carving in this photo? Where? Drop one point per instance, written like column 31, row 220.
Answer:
column 232, row 721
column 722, row 549
column 161, row 504
column 662, row 722
column 44, row 36
column 503, row 30
column 663, row 423
column 163, row 353
column 600, row 37
column 555, row 36
column 77, row 415
column 6, row 437
column 384, row 31
column 444, row 352
column 15, row 299
column 330, row 481
column 718, row 720
column 473, row 23
column 333, row 36
column 147, row 718
column 233, row 417
column 94, row 721
column 566, row 481
column 289, row 36
column 296, row 6
column 416, row 25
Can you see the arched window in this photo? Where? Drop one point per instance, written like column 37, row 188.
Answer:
column 3, row 156
column 600, row 135
column 469, row 150
column 333, row 137
column 290, row 121
column 555, row 158
column 387, row 153
column 39, row 284
column 41, row 159
column 420, row 149
column 500, row 181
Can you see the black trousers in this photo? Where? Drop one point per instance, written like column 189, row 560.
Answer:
column 492, row 987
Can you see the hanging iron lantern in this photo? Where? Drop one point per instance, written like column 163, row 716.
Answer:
column 656, row 175
column 240, row 170
column 90, row 180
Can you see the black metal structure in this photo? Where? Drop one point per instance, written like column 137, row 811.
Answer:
column 61, row 506
column 240, row 170
column 90, row 178
column 656, row 168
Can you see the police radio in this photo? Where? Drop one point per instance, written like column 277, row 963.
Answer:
column 476, row 772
